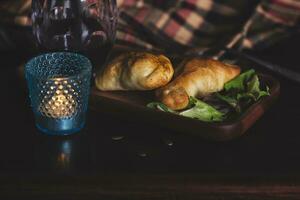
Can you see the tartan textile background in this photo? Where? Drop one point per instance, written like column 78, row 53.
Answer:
column 180, row 24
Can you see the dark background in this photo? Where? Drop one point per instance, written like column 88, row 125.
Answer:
column 149, row 162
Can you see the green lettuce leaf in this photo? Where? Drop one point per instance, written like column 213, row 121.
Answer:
column 197, row 110
column 160, row 106
column 233, row 102
column 253, row 89
column 202, row 111
column 239, row 83
column 242, row 91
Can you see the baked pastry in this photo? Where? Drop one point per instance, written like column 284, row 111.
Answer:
column 199, row 78
column 135, row 71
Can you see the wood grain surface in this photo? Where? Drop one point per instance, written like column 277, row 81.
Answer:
column 152, row 187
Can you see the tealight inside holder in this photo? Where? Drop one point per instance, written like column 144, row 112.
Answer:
column 59, row 86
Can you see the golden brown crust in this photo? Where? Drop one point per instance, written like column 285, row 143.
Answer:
column 174, row 97
column 200, row 77
column 135, row 71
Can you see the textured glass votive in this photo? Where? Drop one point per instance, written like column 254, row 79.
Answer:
column 59, row 85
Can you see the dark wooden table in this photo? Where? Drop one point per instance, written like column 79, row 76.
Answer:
column 120, row 159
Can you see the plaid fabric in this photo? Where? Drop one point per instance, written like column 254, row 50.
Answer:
column 272, row 21
column 175, row 25
column 190, row 23
column 207, row 23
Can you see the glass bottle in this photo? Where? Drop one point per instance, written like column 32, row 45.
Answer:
column 84, row 26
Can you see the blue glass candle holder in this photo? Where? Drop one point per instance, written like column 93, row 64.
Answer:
column 59, row 85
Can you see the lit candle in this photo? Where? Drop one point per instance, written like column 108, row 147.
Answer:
column 59, row 86
column 60, row 105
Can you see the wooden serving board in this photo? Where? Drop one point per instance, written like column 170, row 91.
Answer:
column 132, row 105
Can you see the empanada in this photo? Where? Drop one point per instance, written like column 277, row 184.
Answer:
column 135, row 71
column 199, row 78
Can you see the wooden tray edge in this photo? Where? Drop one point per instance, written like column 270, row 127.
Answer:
column 223, row 131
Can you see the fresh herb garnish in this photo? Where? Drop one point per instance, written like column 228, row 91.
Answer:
column 202, row 111
column 197, row 110
column 242, row 91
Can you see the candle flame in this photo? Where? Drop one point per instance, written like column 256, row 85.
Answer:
column 60, row 105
